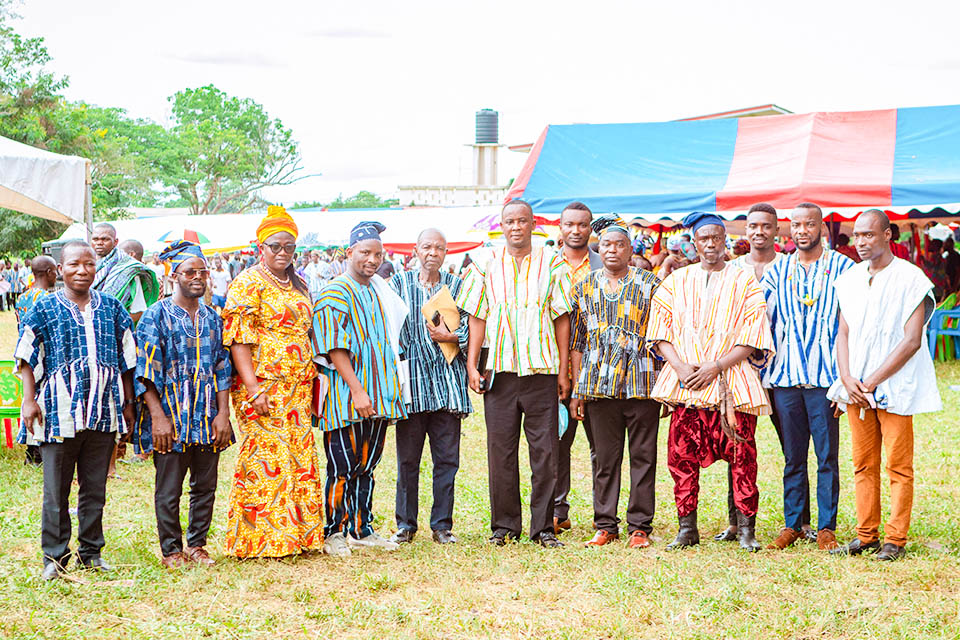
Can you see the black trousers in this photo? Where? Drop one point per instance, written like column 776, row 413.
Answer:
column 171, row 469
column 731, row 508
column 88, row 453
column 533, row 401
column 638, row 421
column 561, row 507
column 443, row 428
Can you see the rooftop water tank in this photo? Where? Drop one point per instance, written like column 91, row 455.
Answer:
column 488, row 127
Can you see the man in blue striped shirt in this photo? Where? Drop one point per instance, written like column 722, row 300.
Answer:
column 438, row 392
column 804, row 319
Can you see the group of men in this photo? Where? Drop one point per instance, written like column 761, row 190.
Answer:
column 550, row 340
column 711, row 344
column 84, row 356
column 14, row 280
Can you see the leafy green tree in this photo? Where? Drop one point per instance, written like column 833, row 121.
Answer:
column 28, row 93
column 362, row 200
column 224, row 150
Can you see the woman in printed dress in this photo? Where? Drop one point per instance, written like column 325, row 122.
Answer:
column 275, row 502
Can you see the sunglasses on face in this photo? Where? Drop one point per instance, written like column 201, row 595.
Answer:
column 193, row 274
column 276, row 247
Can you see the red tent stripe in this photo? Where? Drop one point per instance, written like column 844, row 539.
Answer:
column 832, row 159
column 523, row 178
column 767, row 161
column 851, row 158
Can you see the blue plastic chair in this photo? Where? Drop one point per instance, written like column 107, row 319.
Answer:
column 940, row 326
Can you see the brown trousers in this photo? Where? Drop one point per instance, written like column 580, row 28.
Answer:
column 895, row 434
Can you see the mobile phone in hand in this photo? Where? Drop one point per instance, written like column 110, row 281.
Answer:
column 436, row 319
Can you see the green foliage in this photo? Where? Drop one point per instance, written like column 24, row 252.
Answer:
column 21, row 235
column 363, row 200
column 28, row 91
column 219, row 152
column 309, row 204
column 28, row 96
column 224, row 150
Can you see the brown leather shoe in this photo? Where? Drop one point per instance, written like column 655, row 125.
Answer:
column 558, row 525
column 786, row 538
column 826, row 540
column 198, row 555
column 601, row 538
column 638, row 540
column 175, row 560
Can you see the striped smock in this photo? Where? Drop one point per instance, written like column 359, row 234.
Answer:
column 519, row 302
column 805, row 318
column 609, row 329
column 704, row 315
column 188, row 365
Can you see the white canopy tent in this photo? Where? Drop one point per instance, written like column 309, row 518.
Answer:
column 229, row 232
column 44, row 184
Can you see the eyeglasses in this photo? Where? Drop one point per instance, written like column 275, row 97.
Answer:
column 276, row 247
column 193, row 274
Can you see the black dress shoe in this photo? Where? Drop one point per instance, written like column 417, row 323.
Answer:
column 890, row 551
column 51, row 571
column 501, row 537
column 444, row 537
column 548, row 540
column 855, row 548
column 403, row 536
column 97, row 564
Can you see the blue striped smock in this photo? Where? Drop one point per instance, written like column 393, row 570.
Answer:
column 348, row 315
column 188, row 365
column 434, row 384
column 804, row 318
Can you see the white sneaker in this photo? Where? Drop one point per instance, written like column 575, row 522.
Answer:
column 336, row 545
column 372, row 541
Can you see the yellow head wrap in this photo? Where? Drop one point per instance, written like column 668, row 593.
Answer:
column 276, row 220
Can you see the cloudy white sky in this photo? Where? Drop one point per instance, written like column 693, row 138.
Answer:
column 384, row 93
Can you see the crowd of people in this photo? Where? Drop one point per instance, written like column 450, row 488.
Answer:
column 594, row 333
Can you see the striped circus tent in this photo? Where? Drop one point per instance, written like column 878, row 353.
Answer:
column 901, row 160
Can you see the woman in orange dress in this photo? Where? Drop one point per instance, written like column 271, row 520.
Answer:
column 275, row 502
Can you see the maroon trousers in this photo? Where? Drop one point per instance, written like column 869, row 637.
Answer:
column 696, row 440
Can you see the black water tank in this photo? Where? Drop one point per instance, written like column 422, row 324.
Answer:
column 488, row 127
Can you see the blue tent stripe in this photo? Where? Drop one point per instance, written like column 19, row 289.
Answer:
column 926, row 163
column 669, row 167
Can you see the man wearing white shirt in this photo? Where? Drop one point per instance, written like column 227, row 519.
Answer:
column 220, row 281
column 886, row 377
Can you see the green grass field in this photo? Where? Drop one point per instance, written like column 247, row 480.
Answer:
column 473, row 590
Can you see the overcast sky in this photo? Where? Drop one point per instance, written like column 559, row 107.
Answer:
column 384, row 93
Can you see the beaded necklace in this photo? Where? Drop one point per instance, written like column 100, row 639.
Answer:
column 819, row 278
column 605, row 281
column 282, row 284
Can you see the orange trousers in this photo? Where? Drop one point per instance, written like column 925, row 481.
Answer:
column 894, row 433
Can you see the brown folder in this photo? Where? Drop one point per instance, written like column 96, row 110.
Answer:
column 443, row 302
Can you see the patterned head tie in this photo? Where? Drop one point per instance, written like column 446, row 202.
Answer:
column 608, row 223
column 181, row 251
column 276, row 220
column 697, row 219
column 366, row 231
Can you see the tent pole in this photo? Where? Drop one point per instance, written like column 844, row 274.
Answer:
column 88, row 204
